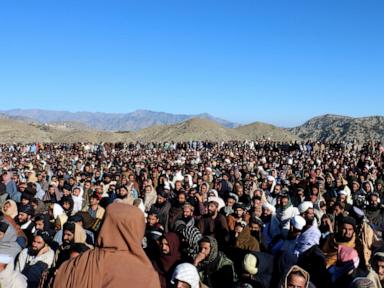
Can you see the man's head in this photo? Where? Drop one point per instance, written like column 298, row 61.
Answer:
column 94, row 199
column 40, row 222
column 39, row 242
column 181, row 198
column 25, row 214
column 374, row 201
column 205, row 247
column 297, row 225
column 296, row 280
column 152, row 218
column 107, row 179
column 230, row 202
column 164, row 246
column 188, row 211
column 67, row 190
column 161, row 199
column 178, row 185
column 239, row 226
column 239, row 210
column 148, row 189
column 76, row 191
column 378, row 265
column 348, row 229
column 306, row 210
column 277, row 189
column 338, row 209
column 122, row 192
column 69, row 233
column 26, row 199
column 255, row 226
column 268, row 210
column 212, row 208
column 256, row 201
column 87, row 185
column 284, row 201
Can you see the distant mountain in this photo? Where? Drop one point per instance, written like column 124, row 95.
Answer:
column 43, row 126
column 192, row 129
column 259, row 130
column 17, row 131
column 337, row 128
column 133, row 121
column 12, row 131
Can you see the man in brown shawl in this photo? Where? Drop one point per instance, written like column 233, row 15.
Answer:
column 118, row 260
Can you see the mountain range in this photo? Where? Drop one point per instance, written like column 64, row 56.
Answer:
column 132, row 121
column 148, row 126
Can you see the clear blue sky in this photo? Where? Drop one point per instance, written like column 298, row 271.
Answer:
column 280, row 62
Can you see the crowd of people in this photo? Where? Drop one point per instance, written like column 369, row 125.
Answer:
column 192, row 215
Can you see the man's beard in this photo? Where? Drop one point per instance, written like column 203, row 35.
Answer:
column 179, row 204
column 344, row 239
column 266, row 219
column 186, row 219
column 33, row 252
column 122, row 196
column 373, row 208
column 21, row 222
column 67, row 242
column 309, row 222
column 212, row 213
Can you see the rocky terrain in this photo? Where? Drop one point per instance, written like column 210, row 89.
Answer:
column 132, row 121
column 12, row 131
column 322, row 128
column 341, row 128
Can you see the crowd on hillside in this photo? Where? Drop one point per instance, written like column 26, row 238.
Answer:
column 192, row 215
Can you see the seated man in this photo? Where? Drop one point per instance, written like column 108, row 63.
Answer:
column 35, row 259
column 8, row 276
column 345, row 236
column 24, row 220
column 215, row 268
column 377, row 272
column 296, row 277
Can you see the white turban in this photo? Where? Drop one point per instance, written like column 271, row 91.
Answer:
column 305, row 206
column 298, row 222
column 270, row 207
column 218, row 200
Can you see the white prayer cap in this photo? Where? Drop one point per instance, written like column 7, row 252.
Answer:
column 298, row 222
column 270, row 207
column 305, row 206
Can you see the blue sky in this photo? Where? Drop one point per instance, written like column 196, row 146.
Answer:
column 281, row 62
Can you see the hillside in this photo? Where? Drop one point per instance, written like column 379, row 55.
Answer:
column 193, row 129
column 132, row 121
column 323, row 128
column 260, row 130
column 341, row 128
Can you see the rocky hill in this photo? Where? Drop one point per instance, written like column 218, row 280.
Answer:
column 17, row 131
column 341, row 128
column 194, row 129
column 133, row 121
column 322, row 128
column 259, row 130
